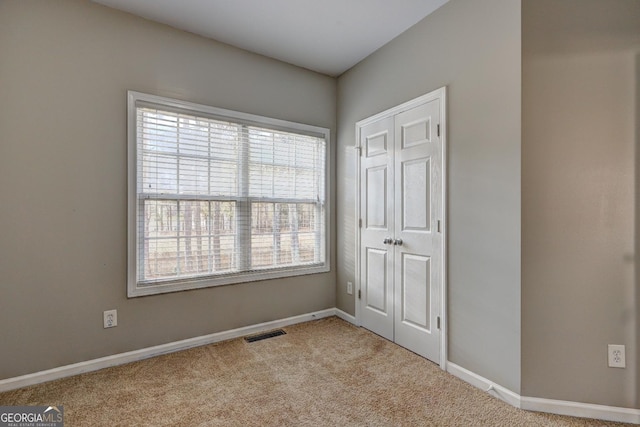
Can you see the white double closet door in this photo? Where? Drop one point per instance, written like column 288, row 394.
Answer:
column 400, row 236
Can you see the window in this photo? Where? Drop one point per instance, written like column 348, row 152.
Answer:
column 219, row 197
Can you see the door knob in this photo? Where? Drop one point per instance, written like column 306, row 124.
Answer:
column 387, row 240
column 397, row 242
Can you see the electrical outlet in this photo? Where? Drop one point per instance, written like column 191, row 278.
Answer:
column 616, row 356
column 110, row 318
column 350, row 288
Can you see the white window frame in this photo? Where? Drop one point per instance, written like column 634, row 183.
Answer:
column 134, row 289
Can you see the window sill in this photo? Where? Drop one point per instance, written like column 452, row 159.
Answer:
column 138, row 290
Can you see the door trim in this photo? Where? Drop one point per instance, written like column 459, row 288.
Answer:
column 440, row 94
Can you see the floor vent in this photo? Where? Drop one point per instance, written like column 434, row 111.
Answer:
column 264, row 336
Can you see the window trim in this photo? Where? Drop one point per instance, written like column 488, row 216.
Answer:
column 133, row 288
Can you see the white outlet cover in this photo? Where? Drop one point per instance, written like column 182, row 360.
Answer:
column 350, row 288
column 110, row 318
column 617, row 356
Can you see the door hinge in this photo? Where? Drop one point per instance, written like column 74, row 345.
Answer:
column 360, row 223
column 439, row 229
column 359, row 149
column 438, row 129
column 359, row 293
column 438, row 322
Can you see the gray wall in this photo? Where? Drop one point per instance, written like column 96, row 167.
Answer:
column 64, row 73
column 473, row 48
column 579, row 198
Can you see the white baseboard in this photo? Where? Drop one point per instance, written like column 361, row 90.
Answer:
column 346, row 316
column 484, row 384
column 560, row 407
column 584, row 410
column 145, row 353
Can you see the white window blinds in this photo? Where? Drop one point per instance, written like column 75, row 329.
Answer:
column 223, row 199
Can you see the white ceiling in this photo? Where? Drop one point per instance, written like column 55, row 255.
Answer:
column 328, row 36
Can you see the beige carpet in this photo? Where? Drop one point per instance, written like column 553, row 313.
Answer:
column 322, row 373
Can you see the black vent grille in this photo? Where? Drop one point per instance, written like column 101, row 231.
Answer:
column 260, row 337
